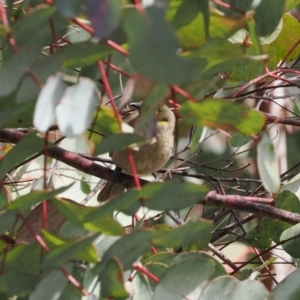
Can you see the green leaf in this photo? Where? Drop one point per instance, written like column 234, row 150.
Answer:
column 288, row 288
column 42, row 69
column 29, row 145
column 290, row 4
column 185, row 17
column 288, row 201
column 194, row 23
column 183, row 235
column 240, row 5
column 7, row 219
column 219, row 113
column 37, row 25
column 118, row 141
column 104, row 16
column 106, row 121
column 143, row 286
column 126, row 249
column 197, row 133
column 60, row 255
column 68, row 8
column 171, row 195
column 271, row 229
column 261, row 236
column 15, row 68
column 3, row 198
column 112, row 282
column 267, row 16
column 51, row 286
column 239, row 140
column 26, row 202
column 84, row 186
column 83, row 54
column 23, row 258
column 77, row 214
column 218, row 51
column 292, row 246
column 17, row 115
column 213, row 57
column 219, row 288
column 267, row 165
column 127, row 203
column 88, row 254
column 18, row 283
column 247, row 69
column 183, row 279
column 250, row 289
column 285, row 41
column 218, row 269
column 146, row 122
column 153, row 46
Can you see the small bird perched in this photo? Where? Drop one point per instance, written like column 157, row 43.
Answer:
column 150, row 157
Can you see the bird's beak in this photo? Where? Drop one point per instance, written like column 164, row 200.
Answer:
column 136, row 105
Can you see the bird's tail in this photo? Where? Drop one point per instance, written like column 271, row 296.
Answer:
column 109, row 191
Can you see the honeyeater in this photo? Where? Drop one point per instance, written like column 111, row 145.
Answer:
column 150, row 157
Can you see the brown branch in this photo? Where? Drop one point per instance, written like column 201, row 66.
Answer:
column 259, row 206
column 281, row 120
column 74, row 160
column 247, row 204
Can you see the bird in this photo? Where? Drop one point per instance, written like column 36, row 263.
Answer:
column 150, row 157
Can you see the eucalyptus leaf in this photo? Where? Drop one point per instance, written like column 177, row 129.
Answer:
column 267, row 165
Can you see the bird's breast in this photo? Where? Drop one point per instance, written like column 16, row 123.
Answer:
column 148, row 159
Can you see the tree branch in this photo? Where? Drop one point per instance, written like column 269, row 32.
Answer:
column 259, row 206
column 252, row 205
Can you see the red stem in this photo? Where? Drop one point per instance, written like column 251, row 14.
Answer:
column 146, row 272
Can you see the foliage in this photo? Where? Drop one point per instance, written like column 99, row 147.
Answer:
column 68, row 71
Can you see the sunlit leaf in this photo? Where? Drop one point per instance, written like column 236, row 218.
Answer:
column 290, row 4
column 194, row 23
column 49, row 97
column 74, row 112
column 286, row 40
column 77, row 214
column 267, row 165
column 61, row 254
column 87, row 254
column 219, row 113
